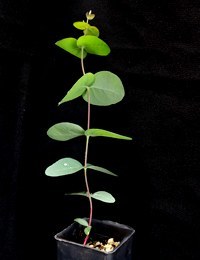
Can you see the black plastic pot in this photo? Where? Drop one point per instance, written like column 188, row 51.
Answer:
column 69, row 246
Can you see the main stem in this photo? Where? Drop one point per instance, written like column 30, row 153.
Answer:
column 86, row 155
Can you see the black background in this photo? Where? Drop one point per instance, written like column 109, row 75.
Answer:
column 155, row 50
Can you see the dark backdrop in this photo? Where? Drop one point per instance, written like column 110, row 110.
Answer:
column 155, row 49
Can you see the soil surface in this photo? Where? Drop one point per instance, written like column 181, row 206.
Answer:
column 108, row 246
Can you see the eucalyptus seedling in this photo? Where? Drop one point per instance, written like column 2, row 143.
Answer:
column 102, row 88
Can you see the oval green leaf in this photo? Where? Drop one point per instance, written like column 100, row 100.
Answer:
column 93, row 45
column 63, row 167
column 87, row 230
column 82, row 222
column 88, row 29
column 92, row 30
column 106, row 90
column 100, row 169
column 100, row 132
column 65, row 131
column 70, row 45
column 103, row 196
column 79, row 88
column 81, row 25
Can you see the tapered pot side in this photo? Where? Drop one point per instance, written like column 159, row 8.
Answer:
column 70, row 247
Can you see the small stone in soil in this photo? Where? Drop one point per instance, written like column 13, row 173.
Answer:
column 109, row 246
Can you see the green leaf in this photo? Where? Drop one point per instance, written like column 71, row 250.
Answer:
column 100, row 132
column 81, row 25
column 87, row 230
column 79, row 88
column 93, row 45
column 100, row 169
column 92, row 30
column 88, row 29
column 65, row 131
column 103, row 196
column 106, row 90
column 70, row 45
column 83, row 193
column 63, row 167
column 82, row 222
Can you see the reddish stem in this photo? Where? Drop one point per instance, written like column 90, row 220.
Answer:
column 86, row 155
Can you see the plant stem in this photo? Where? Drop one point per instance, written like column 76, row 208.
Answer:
column 86, row 155
column 82, row 64
column 87, row 187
